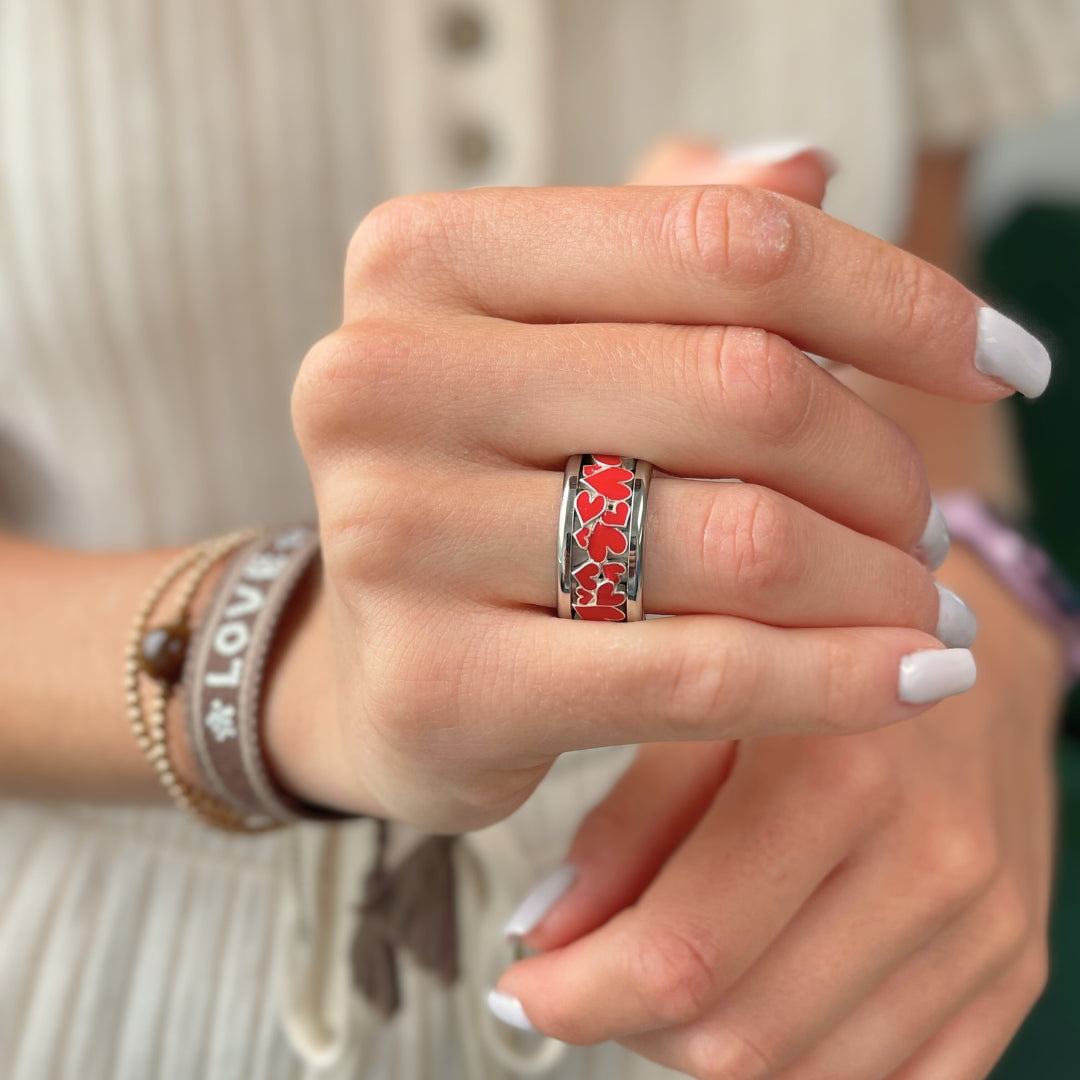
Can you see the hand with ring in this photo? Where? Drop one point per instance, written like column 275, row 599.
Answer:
column 489, row 336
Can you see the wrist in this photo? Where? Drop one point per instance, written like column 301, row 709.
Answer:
column 303, row 708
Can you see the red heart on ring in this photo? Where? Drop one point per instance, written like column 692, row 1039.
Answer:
column 605, row 539
column 589, row 506
column 607, row 459
column 598, row 613
column 614, row 571
column 610, row 482
column 585, row 575
column 608, row 594
column 619, row 514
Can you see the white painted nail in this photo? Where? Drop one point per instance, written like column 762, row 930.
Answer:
column 956, row 624
column 775, row 151
column 508, row 1009
column 933, row 545
column 544, row 896
column 934, row 674
column 1006, row 351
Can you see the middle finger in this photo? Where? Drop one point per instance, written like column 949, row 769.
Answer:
column 695, row 401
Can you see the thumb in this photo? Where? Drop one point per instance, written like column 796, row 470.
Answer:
column 792, row 167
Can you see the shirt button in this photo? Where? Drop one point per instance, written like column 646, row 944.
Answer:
column 463, row 32
column 472, row 145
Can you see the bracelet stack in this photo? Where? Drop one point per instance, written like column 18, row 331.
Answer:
column 218, row 670
column 159, row 653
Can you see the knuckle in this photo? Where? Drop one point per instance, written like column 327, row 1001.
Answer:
column 727, row 1055
column 914, row 599
column 904, row 476
column 394, row 238
column 312, row 391
column 670, row 972
column 747, row 237
column 1008, row 922
column 859, row 776
column 959, row 861
column 755, row 536
column 346, row 380
column 760, row 380
column 698, row 688
column 909, row 292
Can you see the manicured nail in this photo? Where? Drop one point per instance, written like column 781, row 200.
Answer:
column 544, row 896
column 775, row 151
column 1006, row 351
column 934, row 674
column 508, row 1009
column 933, row 545
column 956, row 621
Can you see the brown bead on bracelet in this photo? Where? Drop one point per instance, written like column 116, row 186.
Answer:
column 159, row 653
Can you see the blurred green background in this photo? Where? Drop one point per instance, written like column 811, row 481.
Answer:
column 1030, row 267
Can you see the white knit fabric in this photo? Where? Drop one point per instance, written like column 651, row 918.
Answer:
column 178, row 182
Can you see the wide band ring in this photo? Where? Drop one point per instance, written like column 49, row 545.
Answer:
column 601, row 534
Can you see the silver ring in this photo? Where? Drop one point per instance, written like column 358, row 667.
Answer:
column 601, row 537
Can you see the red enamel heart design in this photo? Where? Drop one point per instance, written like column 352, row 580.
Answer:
column 618, row 515
column 609, row 482
column 607, row 459
column 609, row 595
column 605, row 540
column 597, row 613
column 585, row 575
column 589, row 506
column 614, row 571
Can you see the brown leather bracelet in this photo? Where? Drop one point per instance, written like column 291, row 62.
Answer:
column 224, row 672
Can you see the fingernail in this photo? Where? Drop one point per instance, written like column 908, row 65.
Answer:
column 775, row 151
column 934, row 674
column 933, row 545
column 544, row 896
column 956, row 621
column 1006, row 351
column 508, row 1009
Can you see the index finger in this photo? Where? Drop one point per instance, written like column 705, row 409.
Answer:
column 708, row 255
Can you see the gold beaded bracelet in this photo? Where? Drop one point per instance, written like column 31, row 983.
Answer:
column 159, row 653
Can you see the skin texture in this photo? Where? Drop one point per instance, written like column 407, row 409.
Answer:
column 866, row 907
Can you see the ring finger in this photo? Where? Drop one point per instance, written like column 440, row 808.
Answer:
column 710, row 548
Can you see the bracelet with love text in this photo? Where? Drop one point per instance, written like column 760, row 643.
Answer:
column 223, row 678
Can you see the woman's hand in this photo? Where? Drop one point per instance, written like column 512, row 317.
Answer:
column 490, row 334
column 821, row 908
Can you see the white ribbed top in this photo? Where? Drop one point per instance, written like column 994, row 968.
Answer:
column 178, row 182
